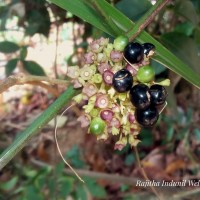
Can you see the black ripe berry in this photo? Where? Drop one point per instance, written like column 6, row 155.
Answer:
column 147, row 117
column 122, row 80
column 148, row 49
column 134, row 52
column 158, row 94
column 139, row 96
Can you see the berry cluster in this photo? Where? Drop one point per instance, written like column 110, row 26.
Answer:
column 118, row 89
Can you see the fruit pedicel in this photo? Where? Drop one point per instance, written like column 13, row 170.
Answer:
column 118, row 90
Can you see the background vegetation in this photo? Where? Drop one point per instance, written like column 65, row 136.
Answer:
column 169, row 151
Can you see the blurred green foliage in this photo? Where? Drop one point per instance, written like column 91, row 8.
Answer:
column 177, row 28
column 50, row 183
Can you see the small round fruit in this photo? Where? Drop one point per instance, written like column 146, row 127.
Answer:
column 158, row 94
column 149, row 49
column 134, row 52
column 122, row 80
column 97, row 126
column 120, row 43
column 145, row 74
column 139, row 96
column 147, row 117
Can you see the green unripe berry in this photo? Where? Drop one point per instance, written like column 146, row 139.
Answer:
column 120, row 43
column 145, row 74
column 97, row 126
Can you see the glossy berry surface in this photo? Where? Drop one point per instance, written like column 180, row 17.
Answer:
column 139, row 96
column 147, row 117
column 148, row 49
column 122, row 80
column 97, row 126
column 158, row 94
column 145, row 74
column 134, row 52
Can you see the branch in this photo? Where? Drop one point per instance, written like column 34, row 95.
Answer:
column 146, row 19
column 98, row 175
column 22, row 78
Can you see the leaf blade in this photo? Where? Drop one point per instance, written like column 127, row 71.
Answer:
column 33, row 68
column 8, row 47
column 10, row 66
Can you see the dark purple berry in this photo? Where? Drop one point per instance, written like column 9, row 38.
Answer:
column 134, row 52
column 139, row 96
column 147, row 117
column 158, row 94
column 148, row 49
column 122, row 80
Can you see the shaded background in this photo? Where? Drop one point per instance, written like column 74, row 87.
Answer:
column 41, row 39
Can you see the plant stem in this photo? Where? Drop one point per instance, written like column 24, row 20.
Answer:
column 146, row 19
column 36, row 126
column 22, row 78
column 144, row 173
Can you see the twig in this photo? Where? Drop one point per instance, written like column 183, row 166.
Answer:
column 144, row 173
column 22, row 78
column 49, row 88
column 146, row 19
column 98, row 175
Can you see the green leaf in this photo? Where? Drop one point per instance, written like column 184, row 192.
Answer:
column 196, row 4
column 10, row 66
column 186, row 9
column 81, row 192
column 86, row 11
column 183, row 47
column 158, row 67
column 9, row 185
column 8, row 47
column 95, row 189
column 134, row 9
column 146, row 137
column 31, row 193
column 66, row 186
column 75, row 157
column 129, row 160
column 197, row 134
column 170, row 133
column 186, row 28
column 33, row 68
column 197, row 35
